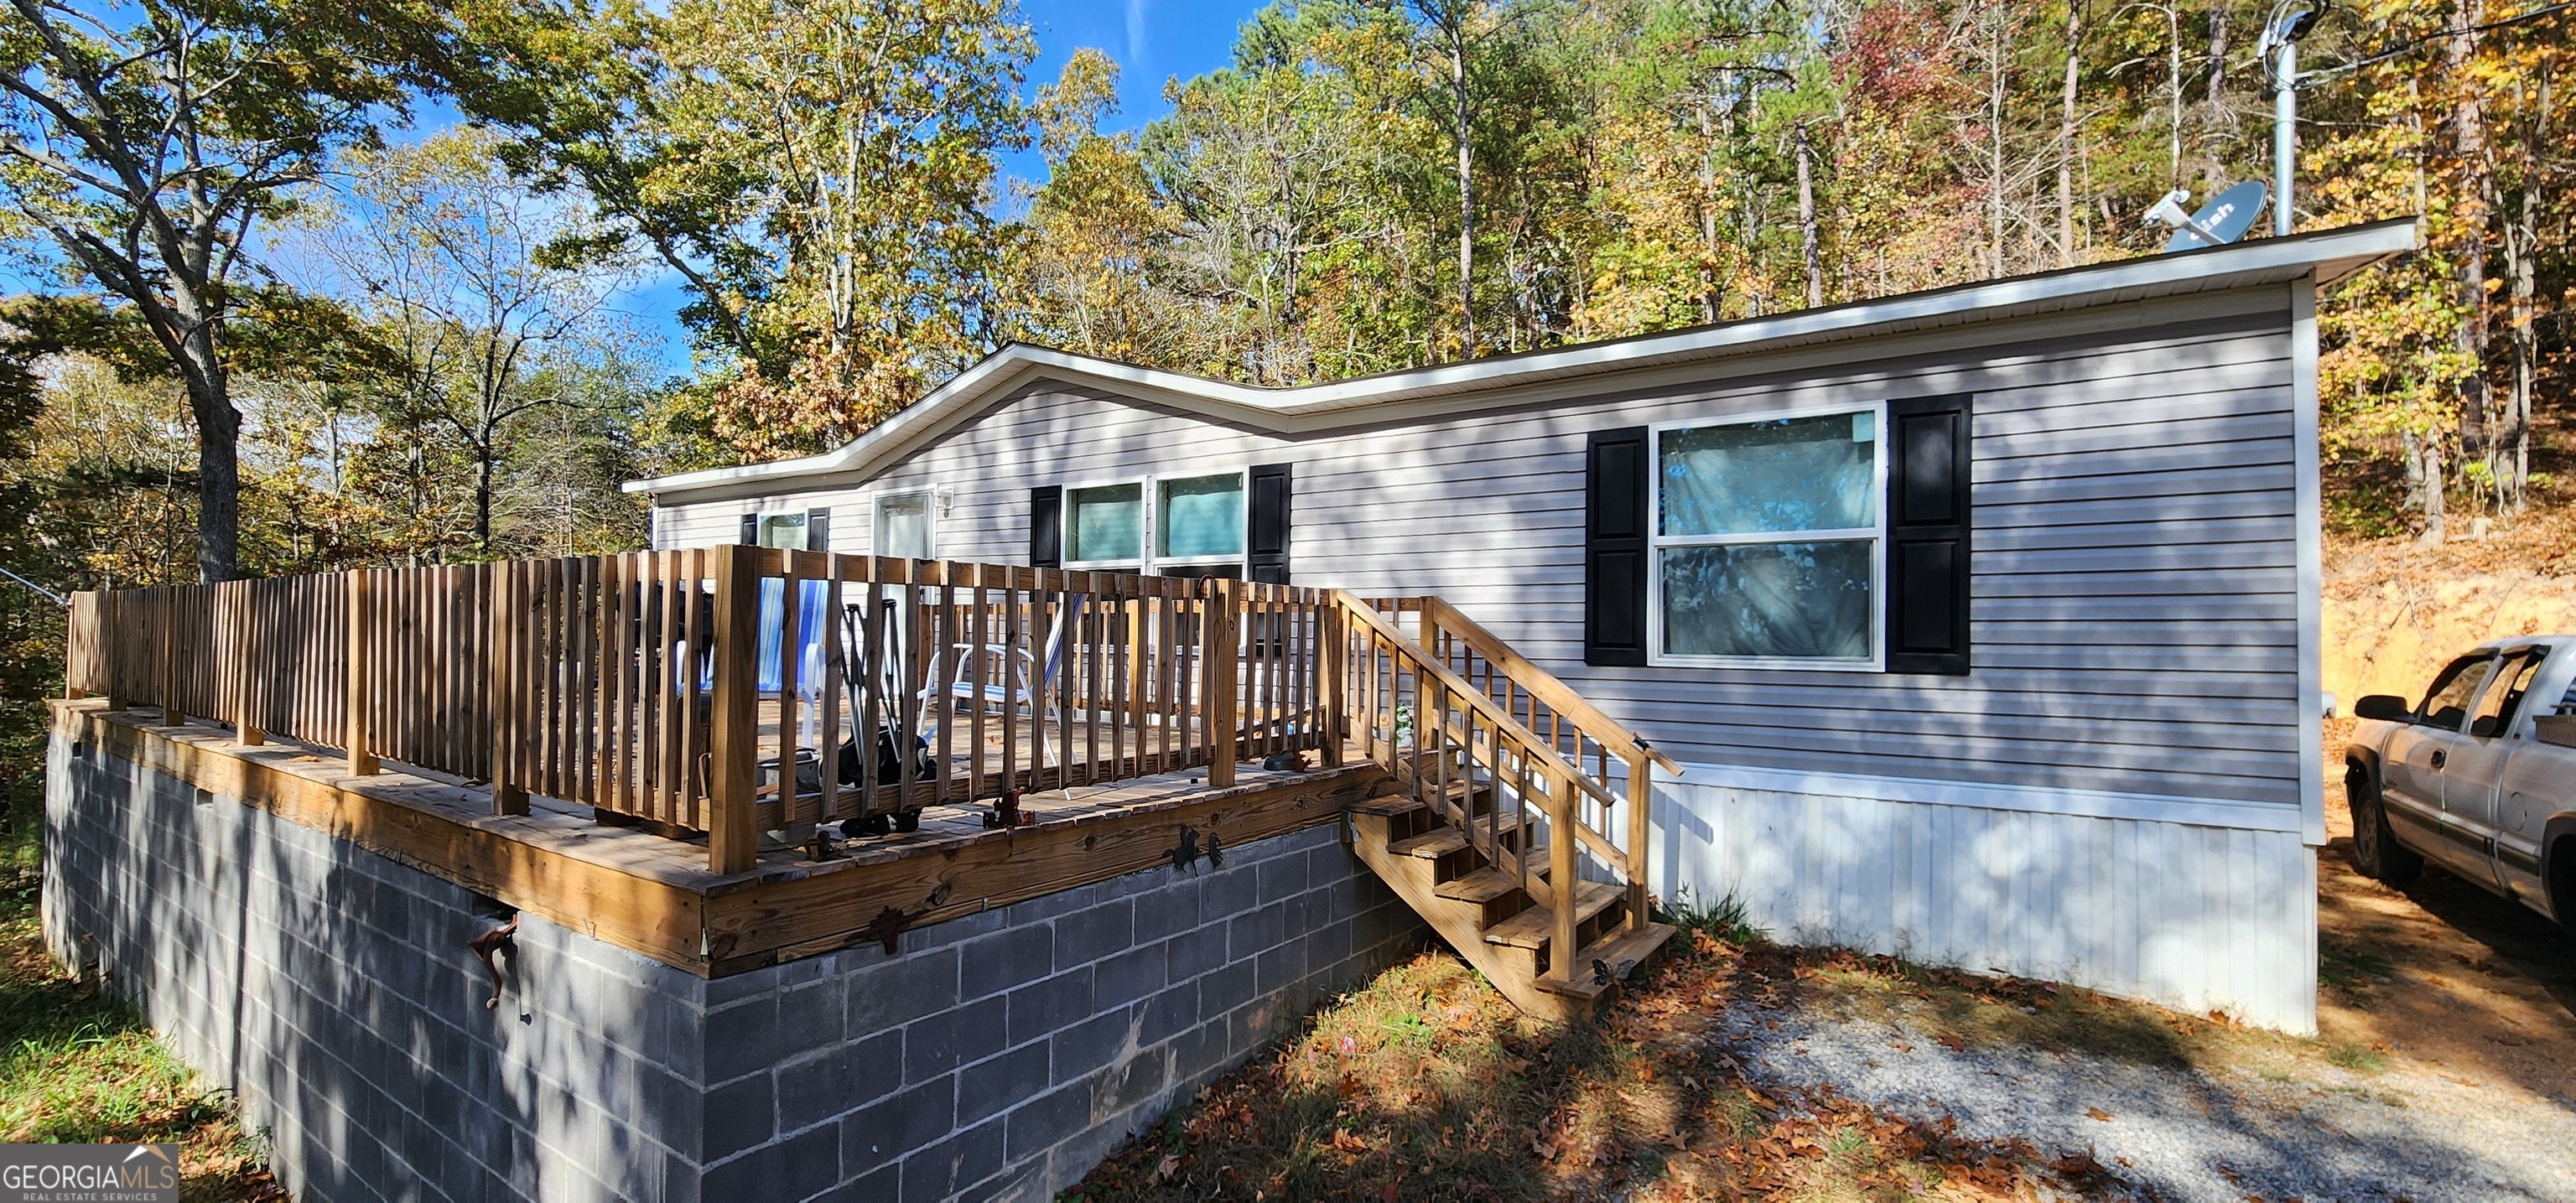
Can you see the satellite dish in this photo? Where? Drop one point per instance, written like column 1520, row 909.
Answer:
column 2223, row 220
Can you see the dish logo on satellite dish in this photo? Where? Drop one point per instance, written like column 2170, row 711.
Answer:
column 2223, row 220
column 89, row 1173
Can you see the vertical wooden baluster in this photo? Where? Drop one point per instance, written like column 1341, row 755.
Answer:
column 670, row 578
column 174, row 712
column 943, row 673
column 362, row 758
column 977, row 666
column 640, row 603
column 1334, row 634
column 1185, row 651
column 1520, row 814
column 502, row 681
column 1095, row 627
column 911, row 706
column 835, row 673
column 872, row 667
column 1162, row 651
column 698, row 626
column 791, row 665
column 1068, row 642
column 633, row 710
column 1113, row 672
column 1223, row 671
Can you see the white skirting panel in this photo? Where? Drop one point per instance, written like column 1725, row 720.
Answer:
column 2195, row 917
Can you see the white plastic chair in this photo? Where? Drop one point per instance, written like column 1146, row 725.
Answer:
column 1014, row 676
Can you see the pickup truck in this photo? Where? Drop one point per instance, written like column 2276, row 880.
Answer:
column 2479, row 777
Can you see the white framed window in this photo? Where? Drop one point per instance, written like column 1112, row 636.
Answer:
column 783, row 529
column 1769, row 537
column 906, row 524
column 1178, row 525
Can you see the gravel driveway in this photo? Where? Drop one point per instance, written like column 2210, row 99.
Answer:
column 2183, row 1135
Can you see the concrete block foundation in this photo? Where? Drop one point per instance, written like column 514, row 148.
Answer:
column 997, row 1056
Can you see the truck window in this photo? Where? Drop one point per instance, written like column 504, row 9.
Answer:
column 2501, row 704
column 2447, row 703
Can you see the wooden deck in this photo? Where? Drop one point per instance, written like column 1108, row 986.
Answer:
column 655, row 895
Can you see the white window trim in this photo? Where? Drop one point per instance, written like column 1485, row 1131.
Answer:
column 929, row 509
column 1657, row 542
column 1150, row 526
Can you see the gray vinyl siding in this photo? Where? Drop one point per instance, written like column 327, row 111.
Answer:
column 2134, row 578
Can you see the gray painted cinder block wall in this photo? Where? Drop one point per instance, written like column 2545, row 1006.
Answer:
column 995, row 1056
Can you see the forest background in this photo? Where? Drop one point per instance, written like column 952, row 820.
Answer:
column 274, row 336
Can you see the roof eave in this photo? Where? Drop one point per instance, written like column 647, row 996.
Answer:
column 2326, row 256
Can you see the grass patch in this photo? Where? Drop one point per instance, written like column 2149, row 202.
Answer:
column 1426, row 1084
column 2359, row 1058
column 79, row 1066
column 1722, row 918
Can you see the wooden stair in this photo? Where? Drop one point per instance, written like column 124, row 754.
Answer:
column 1481, row 909
column 1483, row 751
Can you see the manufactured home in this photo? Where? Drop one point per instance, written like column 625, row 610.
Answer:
column 1978, row 626
column 923, row 818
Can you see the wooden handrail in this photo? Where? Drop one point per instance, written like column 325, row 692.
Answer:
column 1448, row 679
column 1610, row 733
column 1533, row 767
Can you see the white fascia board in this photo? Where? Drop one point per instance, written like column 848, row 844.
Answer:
column 2326, row 256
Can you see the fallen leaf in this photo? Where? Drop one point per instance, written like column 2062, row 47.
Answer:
column 1952, row 1041
column 1171, row 1165
column 2097, row 1113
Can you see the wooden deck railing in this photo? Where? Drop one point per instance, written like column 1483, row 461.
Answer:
column 1449, row 708
column 693, row 689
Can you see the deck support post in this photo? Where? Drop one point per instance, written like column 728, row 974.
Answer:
column 734, row 739
column 1220, row 666
column 1563, row 879
column 1641, row 799
column 362, row 759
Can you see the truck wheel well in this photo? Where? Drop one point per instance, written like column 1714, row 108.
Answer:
column 2558, row 860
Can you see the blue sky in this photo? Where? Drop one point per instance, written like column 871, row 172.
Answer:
column 1151, row 40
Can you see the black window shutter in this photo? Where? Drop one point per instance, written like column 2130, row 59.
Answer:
column 1265, row 546
column 1614, row 548
column 1929, row 519
column 751, row 528
column 1046, row 526
column 818, row 529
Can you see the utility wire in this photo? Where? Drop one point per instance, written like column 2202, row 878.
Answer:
column 2308, row 79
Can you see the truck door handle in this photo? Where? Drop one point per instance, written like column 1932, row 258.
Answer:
column 2440, row 758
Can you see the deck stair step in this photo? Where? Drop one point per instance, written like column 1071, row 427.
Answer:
column 1431, row 845
column 1391, row 805
column 1486, row 885
column 1531, row 928
column 1620, row 953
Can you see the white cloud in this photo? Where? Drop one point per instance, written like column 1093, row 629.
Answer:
column 1135, row 32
